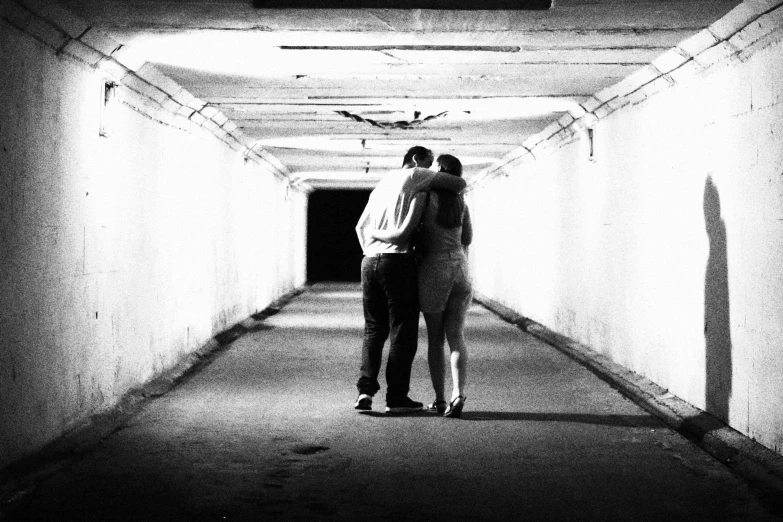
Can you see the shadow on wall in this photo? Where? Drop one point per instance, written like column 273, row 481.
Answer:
column 717, row 324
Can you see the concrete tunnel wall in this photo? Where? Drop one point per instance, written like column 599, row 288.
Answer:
column 664, row 253
column 120, row 255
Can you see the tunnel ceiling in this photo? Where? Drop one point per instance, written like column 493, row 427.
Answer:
column 339, row 94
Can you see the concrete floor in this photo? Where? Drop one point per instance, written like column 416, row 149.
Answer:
column 267, row 431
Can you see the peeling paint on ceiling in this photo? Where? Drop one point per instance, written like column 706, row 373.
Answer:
column 487, row 74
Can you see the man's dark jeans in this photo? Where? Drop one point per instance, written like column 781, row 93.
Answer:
column 391, row 310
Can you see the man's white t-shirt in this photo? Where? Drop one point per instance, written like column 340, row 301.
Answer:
column 388, row 205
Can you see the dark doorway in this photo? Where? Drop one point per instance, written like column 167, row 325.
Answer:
column 333, row 251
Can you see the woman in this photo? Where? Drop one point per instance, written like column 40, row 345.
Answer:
column 445, row 290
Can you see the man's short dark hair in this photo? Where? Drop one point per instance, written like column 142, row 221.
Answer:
column 417, row 150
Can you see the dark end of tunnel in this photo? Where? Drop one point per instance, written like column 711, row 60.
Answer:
column 333, row 250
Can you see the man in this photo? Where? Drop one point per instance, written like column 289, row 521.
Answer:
column 389, row 281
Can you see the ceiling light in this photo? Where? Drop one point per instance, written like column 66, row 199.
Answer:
column 313, row 143
column 446, row 5
column 459, row 48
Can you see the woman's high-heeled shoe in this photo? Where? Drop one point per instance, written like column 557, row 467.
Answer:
column 455, row 408
column 436, row 407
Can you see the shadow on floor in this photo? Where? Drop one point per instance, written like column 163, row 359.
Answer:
column 645, row 421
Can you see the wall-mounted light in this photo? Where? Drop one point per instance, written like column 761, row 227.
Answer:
column 588, row 124
column 591, row 143
column 108, row 108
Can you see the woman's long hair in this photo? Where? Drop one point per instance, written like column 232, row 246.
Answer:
column 451, row 205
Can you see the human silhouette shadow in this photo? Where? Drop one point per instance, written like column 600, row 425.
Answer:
column 717, row 320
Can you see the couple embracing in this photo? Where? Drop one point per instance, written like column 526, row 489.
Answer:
column 397, row 283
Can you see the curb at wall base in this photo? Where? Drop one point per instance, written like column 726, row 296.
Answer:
column 19, row 478
column 754, row 462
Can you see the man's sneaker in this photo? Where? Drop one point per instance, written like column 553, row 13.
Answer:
column 363, row 402
column 403, row 406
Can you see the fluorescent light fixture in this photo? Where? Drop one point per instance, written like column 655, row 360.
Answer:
column 313, row 143
column 450, row 5
column 376, row 48
column 337, row 145
column 469, row 160
column 351, row 175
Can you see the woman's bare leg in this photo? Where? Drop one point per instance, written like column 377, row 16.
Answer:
column 454, row 326
column 436, row 338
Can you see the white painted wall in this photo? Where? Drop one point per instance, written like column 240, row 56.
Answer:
column 122, row 254
column 677, row 228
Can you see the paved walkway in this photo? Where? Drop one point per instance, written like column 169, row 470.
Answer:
column 267, row 431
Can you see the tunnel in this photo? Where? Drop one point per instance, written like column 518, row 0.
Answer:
column 182, row 318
